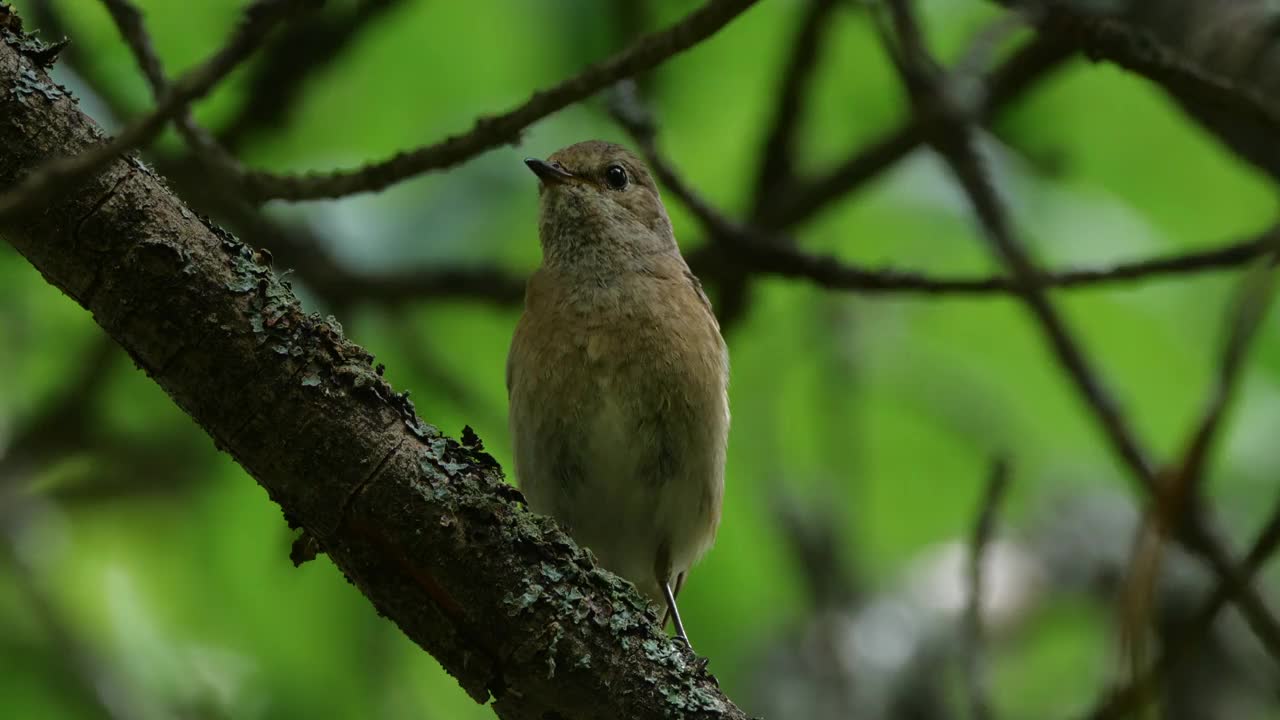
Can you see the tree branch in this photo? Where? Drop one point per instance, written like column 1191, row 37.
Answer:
column 1214, row 59
column 60, row 172
column 423, row 525
column 211, row 156
column 301, row 51
column 749, row 250
column 776, row 167
column 1019, row 73
column 777, row 161
column 1125, row 701
column 948, row 131
column 972, row 644
column 493, row 131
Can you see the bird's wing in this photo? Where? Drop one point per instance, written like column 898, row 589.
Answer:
column 696, row 284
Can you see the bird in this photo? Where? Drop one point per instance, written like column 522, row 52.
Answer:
column 617, row 377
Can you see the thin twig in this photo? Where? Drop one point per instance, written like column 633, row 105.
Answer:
column 776, row 168
column 58, row 174
column 481, row 283
column 297, row 248
column 832, row 273
column 300, row 51
column 322, row 273
column 1143, row 53
column 973, row 644
column 304, row 250
column 742, row 245
column 1025, row 67
column 490, row 132
column 1181, row 487
column 66, row 421
column 51, row 24
column 951, row 137
column 777, row 155
column 1252, row 302
column 949, row 133
column 128, row 19
column 207, row 150
column 1125, row 701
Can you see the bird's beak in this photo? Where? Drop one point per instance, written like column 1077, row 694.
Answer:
column 548, row 173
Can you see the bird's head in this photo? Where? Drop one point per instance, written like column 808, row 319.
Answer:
column 599, row 204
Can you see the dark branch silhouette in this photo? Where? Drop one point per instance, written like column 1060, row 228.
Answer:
column 62, row 172
column 494, row 131
column 951, row 136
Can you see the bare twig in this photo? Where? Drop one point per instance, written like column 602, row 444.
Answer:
column 1027, row 66
column 214, row 158
column 1123, row 702
column 51, row 24
column 493, row 131
column 974, row 662
column 304, row 250
column 743, row 246
column 951, row 137
column 948, row 131
column 1144, row 54
column 1212, row 58
column 776, row 168
column 64, row 423
column 1181, row 486
column 257, row 21
column 128, row 19
column 481, row 283
column 300, row 51
column 322, row 273
column 778, row 151
column 1251, row 305
column 830, row 272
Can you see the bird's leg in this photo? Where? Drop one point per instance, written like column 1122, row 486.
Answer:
column 674, row 613
column 662, row 573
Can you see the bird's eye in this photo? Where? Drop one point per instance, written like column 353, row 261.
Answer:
column 616, row 176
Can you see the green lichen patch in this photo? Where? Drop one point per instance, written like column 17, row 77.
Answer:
column 519, row 603
column 420, row 429
column 29, row 85
column 551, row 573
column 41, row 53
column 689, row 696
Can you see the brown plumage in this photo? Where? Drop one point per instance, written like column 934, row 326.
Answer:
column 617, row 375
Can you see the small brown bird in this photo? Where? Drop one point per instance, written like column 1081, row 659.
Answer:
column 617, row 376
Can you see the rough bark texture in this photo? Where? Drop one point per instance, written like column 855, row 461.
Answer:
column 423, row 525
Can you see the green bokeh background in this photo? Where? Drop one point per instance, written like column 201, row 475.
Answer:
column 885, row 409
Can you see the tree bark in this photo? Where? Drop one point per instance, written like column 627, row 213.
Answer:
column 422, row 524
